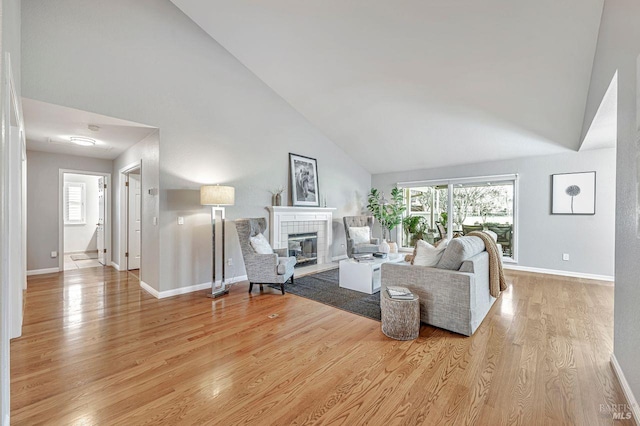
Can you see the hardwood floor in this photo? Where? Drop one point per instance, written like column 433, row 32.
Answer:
column 97, row 349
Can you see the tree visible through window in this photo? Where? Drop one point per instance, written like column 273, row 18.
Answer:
column 477, row 204
column 74, row 203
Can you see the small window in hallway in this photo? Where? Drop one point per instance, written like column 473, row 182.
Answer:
column 74, row 203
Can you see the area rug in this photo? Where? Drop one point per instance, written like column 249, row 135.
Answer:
column 84, row 256
column 323, row 287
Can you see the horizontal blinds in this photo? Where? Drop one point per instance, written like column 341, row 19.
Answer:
column 74, row 203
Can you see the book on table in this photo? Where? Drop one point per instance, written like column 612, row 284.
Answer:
column 364, row 258
column 402, row 293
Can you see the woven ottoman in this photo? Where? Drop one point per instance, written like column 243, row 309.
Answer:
column 400, row 318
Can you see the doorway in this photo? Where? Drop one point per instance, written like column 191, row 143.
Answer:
column 132, row 217
column 84, row 214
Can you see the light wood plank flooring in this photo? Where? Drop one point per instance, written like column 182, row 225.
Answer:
column 97, row 349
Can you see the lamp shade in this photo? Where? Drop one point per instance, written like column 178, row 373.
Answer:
column 217, row 195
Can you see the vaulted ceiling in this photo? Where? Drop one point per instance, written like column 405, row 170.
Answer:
column 412, row 84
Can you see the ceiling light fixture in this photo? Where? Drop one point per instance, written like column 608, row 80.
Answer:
column 82, row 141
column 93, row 127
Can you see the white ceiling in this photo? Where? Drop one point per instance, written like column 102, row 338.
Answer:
column 411, row 84
column 48, row 128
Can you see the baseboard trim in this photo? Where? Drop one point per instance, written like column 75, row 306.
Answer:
column 115, row 266
column 558, row 272
column 337, row 258
column 626, row 389
column 43, row 271
column 189, row 289
column 152, row 291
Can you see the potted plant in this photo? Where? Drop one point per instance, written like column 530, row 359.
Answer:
column 444, row 217
column 416, row 228
column 387, row 212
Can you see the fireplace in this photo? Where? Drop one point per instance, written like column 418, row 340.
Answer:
column 288, row 220
column 304, row 247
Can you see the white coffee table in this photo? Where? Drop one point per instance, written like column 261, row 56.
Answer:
column 364, row 276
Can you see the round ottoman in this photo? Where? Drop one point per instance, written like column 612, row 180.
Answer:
column 400, row 318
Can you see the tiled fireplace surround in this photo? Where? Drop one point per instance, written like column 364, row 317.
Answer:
column 297, row 220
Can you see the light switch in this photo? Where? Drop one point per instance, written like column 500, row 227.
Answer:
column 180, row 220
column 54, row 254
column 155, row 220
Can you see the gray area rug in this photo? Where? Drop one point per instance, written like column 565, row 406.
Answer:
column 84, row 256
column 323, row 287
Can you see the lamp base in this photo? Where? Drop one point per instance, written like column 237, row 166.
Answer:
column 218, row 293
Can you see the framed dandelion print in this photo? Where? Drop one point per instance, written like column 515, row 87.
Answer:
column 573, row 193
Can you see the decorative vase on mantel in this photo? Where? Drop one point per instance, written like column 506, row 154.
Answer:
column 276, row 199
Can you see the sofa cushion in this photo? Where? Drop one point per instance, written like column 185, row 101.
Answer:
column 360, row 234
column 427, row 255
column 458, row 250
column 260, row 244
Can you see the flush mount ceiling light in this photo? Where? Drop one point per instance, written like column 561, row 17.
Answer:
column 93, row 127
column 82, row 141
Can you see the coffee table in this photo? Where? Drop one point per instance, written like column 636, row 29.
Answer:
column 364, row 276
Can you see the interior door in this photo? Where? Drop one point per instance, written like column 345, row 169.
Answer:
column 102, row 255
column 134, row 220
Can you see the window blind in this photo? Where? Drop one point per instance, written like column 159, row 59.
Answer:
column 74, row 203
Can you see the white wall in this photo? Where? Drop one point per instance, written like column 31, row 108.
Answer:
column 618, row 49
column 42, row 202
column 149, row 63
column 146, row 153
column 83, row 238
column 544, row 237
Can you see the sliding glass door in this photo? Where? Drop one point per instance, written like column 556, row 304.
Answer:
column 481, row 203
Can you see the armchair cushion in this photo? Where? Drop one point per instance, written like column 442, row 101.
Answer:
column 365, row 248
column 360, row 234
column 260, row 244
column 281, row 252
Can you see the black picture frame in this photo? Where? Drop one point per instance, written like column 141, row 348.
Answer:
column 573, row 193
column 304, row 181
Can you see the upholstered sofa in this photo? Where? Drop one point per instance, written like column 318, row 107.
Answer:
column 454, row 295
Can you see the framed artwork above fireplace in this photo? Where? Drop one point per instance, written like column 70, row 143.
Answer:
column 304, row 181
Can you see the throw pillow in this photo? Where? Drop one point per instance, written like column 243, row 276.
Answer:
column 360, row 234
column 260, row 244
column 428, row 255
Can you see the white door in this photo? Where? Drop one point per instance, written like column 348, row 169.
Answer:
column 134, row 221
column 102, row 255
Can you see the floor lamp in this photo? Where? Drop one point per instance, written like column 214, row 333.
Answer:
column 217, row 196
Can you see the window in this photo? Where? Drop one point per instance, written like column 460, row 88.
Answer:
column 74, row 203
column 440, row 209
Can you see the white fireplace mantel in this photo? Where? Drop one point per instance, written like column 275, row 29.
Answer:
column 281, row 215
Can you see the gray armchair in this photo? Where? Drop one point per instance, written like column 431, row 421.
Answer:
column 276, row 268
column 371, row 246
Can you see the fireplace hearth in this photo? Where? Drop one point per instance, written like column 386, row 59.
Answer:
column 304, row 247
